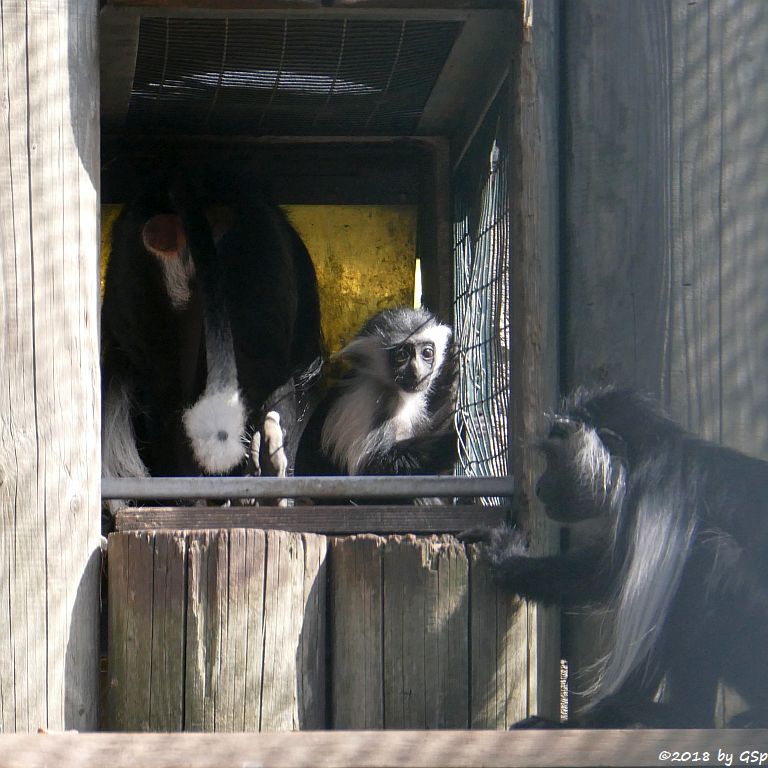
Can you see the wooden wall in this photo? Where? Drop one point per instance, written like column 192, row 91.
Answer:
column 49, row 375
column 666, row 243
column 665, row 173
column 251, row 630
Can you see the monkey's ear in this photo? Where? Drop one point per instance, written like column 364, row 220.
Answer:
column 613, row 441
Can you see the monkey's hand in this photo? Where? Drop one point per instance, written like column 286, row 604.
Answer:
column 570, row 579
column 501, row 538
column 421, row 455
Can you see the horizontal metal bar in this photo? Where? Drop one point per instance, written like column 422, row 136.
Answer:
column 292, row 487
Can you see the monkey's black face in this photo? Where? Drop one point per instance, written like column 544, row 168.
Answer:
column 411, row 364
column 580, row 481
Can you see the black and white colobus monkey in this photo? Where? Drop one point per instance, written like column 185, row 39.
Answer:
column 680, row 560
column 200, row 324
column 393, row 411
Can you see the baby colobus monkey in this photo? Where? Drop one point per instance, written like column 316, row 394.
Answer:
column 392, row 413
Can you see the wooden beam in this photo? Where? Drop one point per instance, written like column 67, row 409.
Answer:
column 119, row 39
column 320, row 519
column 535, row 235
column 49, row 365
column 469, row 81
column 390, row 749
column 325, row 7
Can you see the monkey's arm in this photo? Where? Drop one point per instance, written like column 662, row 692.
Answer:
column 421, row 455
column 572, row 578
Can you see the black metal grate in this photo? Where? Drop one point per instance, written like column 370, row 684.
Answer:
column 482, row 308
column 281, row 76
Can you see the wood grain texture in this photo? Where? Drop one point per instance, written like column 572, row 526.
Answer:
column 415, row 643
column 534, row 91
column 499, row 661
column 356, row 626
column 666, row 200
column 216, row 631
column 320, row 519
column 49, row 402
column 375, row 749
column 425, row 633
column 665, row 194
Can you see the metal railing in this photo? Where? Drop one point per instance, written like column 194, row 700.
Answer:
column 143, row 488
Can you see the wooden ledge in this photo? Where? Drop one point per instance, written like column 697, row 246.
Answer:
column 313, row 519
column 387, row 749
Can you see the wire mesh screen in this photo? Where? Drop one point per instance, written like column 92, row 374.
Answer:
column 286, row 76
column 482, row 311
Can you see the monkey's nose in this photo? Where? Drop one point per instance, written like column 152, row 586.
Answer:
column 222, row 435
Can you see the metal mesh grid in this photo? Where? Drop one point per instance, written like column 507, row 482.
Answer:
column 482, row 311
column 281, row 76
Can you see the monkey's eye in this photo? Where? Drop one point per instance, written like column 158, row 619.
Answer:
column 402, row 356
column 428, row 353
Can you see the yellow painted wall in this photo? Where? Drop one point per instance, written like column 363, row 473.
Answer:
column 364, row 256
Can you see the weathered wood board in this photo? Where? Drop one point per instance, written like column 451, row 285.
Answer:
column 49, row 375
column 535, row 233
column 536, row 748
column 228, row 631
column 420, row 639
column 666, row 198
column 665, row 168
column 216, row 631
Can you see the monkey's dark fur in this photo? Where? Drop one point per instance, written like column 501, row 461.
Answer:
column 392, row 412
column 680, row 561
column 200, row 327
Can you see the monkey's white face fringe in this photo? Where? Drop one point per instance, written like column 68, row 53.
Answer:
column 596, row 470
column 215, row 426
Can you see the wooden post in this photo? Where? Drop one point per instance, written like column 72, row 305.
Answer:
column 220, row 630
column 421, row 640
column 49, row 376
column 535, row 321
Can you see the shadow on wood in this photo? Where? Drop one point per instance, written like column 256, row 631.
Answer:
column 216, row 631
column 225, row 630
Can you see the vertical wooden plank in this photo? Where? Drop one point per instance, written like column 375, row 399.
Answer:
column 230, row 711
column 255, row 577
column 414, row 631
column 49, row 406
column 117, row 627
column 284, row 623
column 499, row 686
column 617, row 61
column 168, row 632
column 131, row 594
column 447, row 638
column 535, row 320
column 202, row 632
column 356, row 626
column 311, row 672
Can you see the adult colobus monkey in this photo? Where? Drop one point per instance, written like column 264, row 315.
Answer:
column 393, row 411
column 200, row 325
column 680, row 560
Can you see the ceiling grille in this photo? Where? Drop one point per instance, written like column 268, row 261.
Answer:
column 281, row 76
